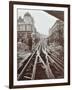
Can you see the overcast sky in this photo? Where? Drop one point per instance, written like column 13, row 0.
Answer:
column 43, row 21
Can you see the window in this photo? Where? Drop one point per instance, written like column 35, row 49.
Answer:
column 29, row 28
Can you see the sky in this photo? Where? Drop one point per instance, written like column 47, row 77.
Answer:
column 42, row 20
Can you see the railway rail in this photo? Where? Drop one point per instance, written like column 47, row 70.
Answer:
column 41, row 64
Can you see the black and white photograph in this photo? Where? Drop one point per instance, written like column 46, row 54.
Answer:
column 40, row 44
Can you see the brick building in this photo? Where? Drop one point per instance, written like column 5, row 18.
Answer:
column 25, row 28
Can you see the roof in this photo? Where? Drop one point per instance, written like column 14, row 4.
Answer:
column 20, row 20
column 27, row 14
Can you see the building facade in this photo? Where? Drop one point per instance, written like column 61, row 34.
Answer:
column 56, row 33
column 25, row 28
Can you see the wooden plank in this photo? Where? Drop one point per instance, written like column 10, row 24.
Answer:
column 27, row 77
column 58, row 61
column 20, row 75
column 49, row 71
column 56, row 64
column 53, row 54
column 34, row 69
